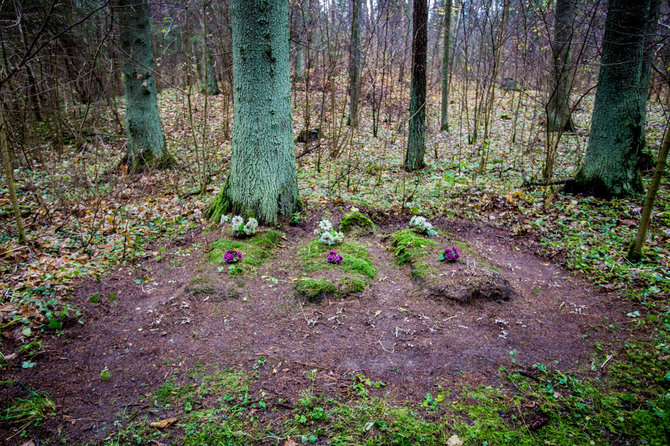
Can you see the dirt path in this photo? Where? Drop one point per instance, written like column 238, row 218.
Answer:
column 156, row 328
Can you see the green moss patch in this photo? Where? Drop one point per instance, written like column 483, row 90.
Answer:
column 314, row 289
column 323, row 279
column 357, row 224
column 413, row 249
column 254, row 249
column 356, row 259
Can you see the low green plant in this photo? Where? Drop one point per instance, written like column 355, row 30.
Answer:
column 32, row 409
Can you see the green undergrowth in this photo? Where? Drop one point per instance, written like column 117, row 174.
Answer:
column 254, row 250
column 350, row 276
column 536, row 405
column 594, row 235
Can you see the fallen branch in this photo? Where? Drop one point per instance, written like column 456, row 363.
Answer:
column 308, row 151
column 544, row 183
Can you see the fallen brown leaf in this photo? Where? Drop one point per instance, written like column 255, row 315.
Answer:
column 162, row 424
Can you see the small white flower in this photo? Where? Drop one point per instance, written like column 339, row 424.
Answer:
column 237, row 222
column 422, row 225
column 327, row 238
column 325, row 225
column 250, row 227
column 224, row 219
column 417, row 221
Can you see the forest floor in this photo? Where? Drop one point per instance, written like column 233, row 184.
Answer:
column 167, row 314
column 119, row 325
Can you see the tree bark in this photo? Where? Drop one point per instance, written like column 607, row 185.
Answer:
column 9, row 174
column 558, row 107
column 355, row 57
column 416, row 146
column 647, row 61
column 446, row 50
column 209, row 84
column 610, row 166
column 146, row 143
column 262, row 181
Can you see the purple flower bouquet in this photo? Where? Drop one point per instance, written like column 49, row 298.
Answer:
column 334, row 257
column 232, row 256
column 450, row 254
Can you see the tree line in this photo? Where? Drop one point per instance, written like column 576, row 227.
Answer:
column 59, row 56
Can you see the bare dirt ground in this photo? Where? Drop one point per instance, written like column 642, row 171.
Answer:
column 157, row 325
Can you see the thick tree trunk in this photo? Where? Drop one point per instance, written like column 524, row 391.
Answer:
column 610, row 165
column 355, row 56
column 209, row 83
column 446, row 50
column 558, row 107
column 416, row 146
column 262, row 181
column 146, row 144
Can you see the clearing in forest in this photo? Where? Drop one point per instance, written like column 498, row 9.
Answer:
column 181, row 341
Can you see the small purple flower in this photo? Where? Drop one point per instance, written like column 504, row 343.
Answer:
column 232, row 256
column 450, row 254
column 334, row 257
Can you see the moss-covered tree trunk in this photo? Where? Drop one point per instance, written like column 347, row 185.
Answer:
column 558, row 107
column 355, row 58
column 610, row 166
column 146, row 144
column 262, row 181
column 416, row 145
column 446, row 50
column 209, row 83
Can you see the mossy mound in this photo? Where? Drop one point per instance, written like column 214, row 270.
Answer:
column 254, row 250
column 317, row 289
column 465, row 281
column 356, row 224
column 412, row 249
column 323, row 279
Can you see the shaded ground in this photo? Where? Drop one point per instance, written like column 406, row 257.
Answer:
column 151, row 322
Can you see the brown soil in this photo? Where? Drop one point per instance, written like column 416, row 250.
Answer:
column 391, row 332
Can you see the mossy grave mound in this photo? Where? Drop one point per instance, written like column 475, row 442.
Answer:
column 356, row 224
column 467, row 280
column 254, row 251
column 322, row 279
